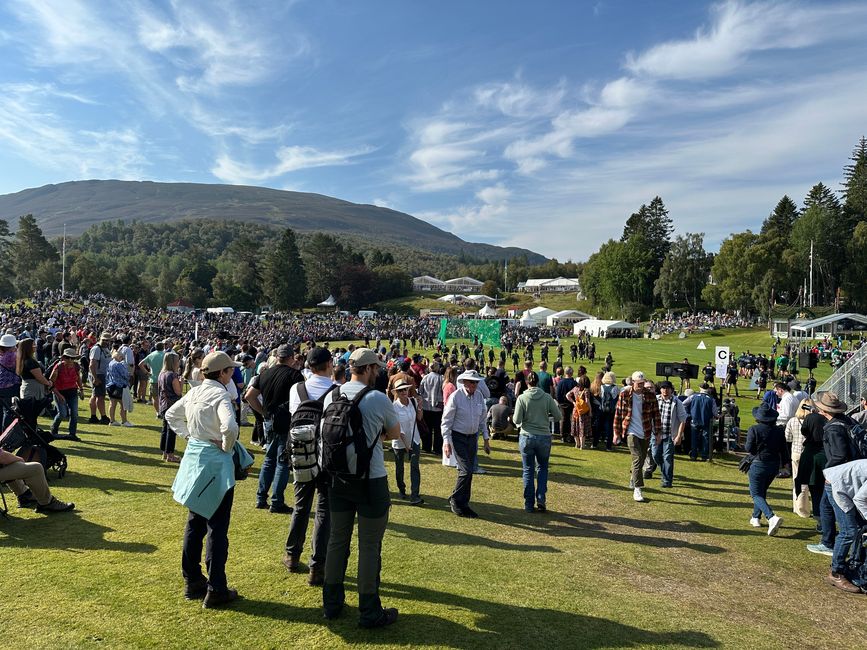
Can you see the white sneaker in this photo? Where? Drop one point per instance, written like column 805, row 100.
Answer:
column 755, row 522
column 774, row 524
column 636, row 494
column 128, row 424
column 114, row 423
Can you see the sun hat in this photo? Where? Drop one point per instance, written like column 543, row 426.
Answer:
column 70, row 353
column 8, row 341
column 365, row 357
column 637, row 376
column 830, row 403
column 764, row 413
column 218, row 361
column 105, row 336
column 403, row 383
column 470, row 375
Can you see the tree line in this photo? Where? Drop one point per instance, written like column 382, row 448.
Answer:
column 752, row 272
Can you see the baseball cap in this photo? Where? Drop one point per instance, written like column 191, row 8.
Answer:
column 285, row 351
column 365, row 357
column 637, row 376
column 216, row 361
column 666, row 384
column 318, row 356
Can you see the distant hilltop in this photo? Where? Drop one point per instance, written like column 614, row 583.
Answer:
column 81, row 204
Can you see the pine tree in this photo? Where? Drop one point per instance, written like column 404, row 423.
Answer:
column 855, row 186
column 284, row 281
column 29, row 250
column 821, row 196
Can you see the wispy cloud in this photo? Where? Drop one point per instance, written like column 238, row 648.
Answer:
column 289, row 159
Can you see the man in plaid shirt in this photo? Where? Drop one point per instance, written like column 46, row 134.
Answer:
column 637, row 430
column 673, row 417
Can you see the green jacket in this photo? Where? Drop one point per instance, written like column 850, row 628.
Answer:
column 532, row 411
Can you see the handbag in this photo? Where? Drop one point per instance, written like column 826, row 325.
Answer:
column 747, row 460
column 802, row 503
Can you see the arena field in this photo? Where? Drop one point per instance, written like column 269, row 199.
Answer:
column 597, row 571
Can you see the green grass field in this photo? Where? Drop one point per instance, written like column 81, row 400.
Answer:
column 597, row 571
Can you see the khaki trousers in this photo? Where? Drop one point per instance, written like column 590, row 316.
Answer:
column 21, row 476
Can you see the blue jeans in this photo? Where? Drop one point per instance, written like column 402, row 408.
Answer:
column 700, row 441
column 535, row 452
column 827, row 518
column 273, row 471
column 761, row 475
column 414, row 472
column 663, row 457
column 67, row 409
column 850, row 524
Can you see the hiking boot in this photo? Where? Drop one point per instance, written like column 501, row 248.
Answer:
column 261, row 505
column 469, row 513
column 820, row 548
column 281, row 509
column 27, row 500
column 55, row 505
column 541, row 507
column 93, row 419
column 841, row 582
column 197, row 589
column 774, row 524
column 105, row 420
column 316, row 577
column 387, row 617
column 219, row 598
column 290, row 562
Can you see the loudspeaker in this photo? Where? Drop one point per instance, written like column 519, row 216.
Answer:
column 808, row 360
column 665, row 369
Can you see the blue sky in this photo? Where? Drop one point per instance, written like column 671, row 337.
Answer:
column 539, row 124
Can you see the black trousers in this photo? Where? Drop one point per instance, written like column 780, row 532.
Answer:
column 464, row 448
column 433, row 442
column 304, row 493
column 217, row 551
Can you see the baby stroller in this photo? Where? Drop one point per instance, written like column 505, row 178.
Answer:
column 31, row 442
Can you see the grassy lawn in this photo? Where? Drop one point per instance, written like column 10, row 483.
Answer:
column 598, row 571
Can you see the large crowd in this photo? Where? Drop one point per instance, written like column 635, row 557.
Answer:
column 321, row 412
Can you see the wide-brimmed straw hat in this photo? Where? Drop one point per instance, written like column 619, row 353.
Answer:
column 470, row 375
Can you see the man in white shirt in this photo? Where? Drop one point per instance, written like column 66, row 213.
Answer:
column 787, row 405
column 321, row 366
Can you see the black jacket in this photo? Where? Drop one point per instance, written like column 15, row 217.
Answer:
column 771, row 438
column 839, row 448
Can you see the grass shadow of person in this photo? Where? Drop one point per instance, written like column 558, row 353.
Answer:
column 69, row 532
column 453, row 538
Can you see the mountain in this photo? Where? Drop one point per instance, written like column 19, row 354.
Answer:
column 80, row 204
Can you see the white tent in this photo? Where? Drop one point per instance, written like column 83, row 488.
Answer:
column 538, row 315
column 567, row 316
column 527, row 321
column 479, row 298
column 487, row 312
column 328, row 302
column 452, row 297
column 604, row 328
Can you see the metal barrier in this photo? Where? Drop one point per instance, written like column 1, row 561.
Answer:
column 849, row 381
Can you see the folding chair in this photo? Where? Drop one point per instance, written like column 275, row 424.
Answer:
column 5, row 511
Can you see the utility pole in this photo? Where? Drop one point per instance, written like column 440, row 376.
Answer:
column 811, row 273
column 505, row 275
column 63, row 266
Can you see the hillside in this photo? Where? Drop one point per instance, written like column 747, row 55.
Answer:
column 81, row 204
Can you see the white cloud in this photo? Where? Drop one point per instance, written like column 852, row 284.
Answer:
column 516, row 99
column 739, row 28
column 476, row 219
column 289, row 159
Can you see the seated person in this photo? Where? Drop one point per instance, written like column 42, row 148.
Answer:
column 27, row 481
column 500, row 419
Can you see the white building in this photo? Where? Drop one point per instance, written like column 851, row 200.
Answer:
column 550, row 285
column 463, row 284
column 428, row 283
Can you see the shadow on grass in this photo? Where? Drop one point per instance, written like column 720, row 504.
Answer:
column 118, row 456
column 67, row 531
column 496, row 625
column 455, row 538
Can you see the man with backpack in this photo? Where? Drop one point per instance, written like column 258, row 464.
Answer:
column 355, row 413
column 305, row 406
column 844, row 440
column 274, row 386
column 100, row 357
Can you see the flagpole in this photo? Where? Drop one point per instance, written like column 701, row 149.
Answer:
column 63, row 265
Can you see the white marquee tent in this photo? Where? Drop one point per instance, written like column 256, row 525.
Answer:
column 487, row 312
column 604, row 328
column 537, row 315
column 567, row 316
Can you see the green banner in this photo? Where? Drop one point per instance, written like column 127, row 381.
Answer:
column 486, row 331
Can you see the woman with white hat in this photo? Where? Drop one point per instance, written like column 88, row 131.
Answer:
column 408, row 413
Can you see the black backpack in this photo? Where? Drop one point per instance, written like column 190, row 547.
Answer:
column 303, row 443
column 858, row 439
column 607, row 398
column 345, row 452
